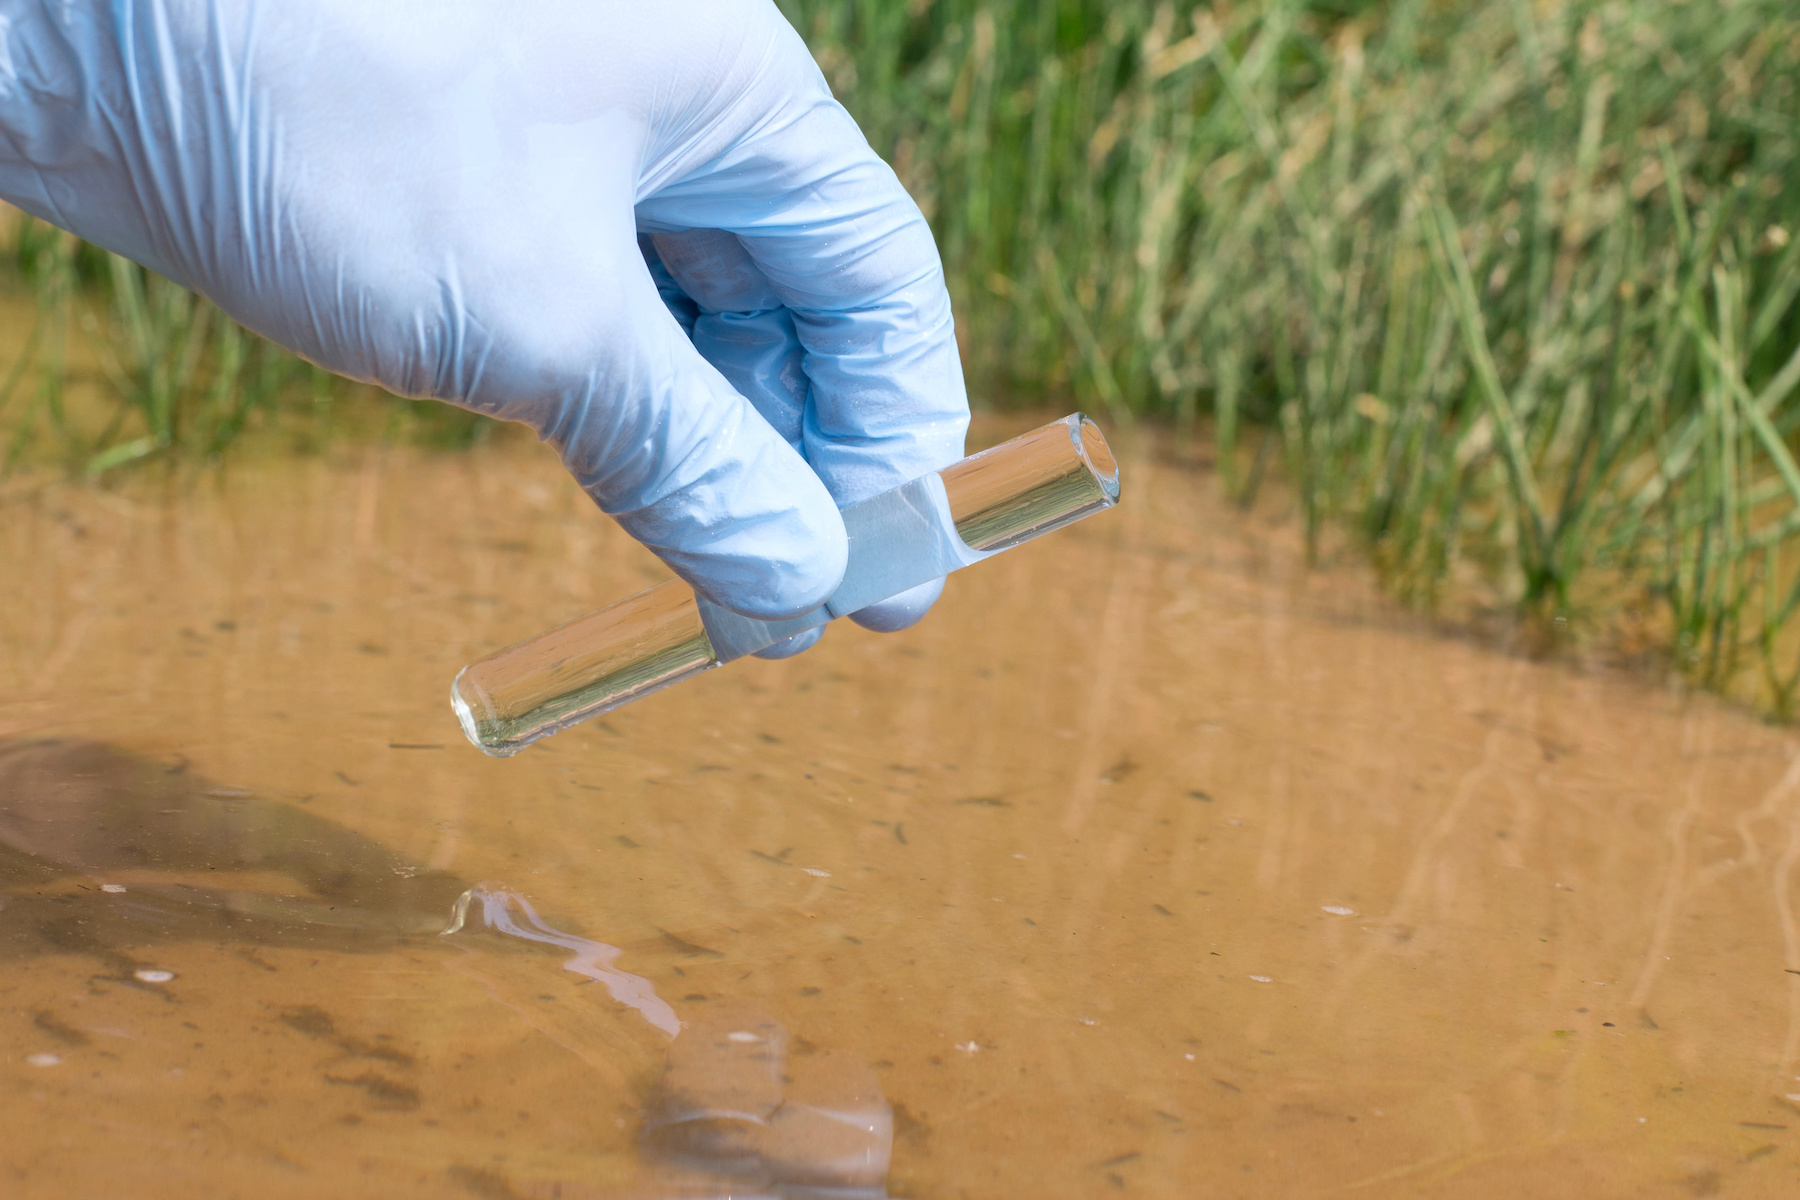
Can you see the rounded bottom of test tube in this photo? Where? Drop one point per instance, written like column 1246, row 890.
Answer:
column 465, row 716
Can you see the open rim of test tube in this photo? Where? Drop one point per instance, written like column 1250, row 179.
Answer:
column 1091, row 444
column 1034, row 483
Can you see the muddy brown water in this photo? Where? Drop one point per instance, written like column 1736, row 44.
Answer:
column 1153, row 864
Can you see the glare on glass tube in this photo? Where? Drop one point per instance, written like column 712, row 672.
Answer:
column 938, row 523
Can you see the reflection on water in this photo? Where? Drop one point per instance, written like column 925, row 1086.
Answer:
column 727, row 1112
column 76, row 817
column 102, row 849
column 731, row 1103
column 496, row 904
column 1189, row 872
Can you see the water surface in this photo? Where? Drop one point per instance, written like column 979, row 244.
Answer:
column 1152, row 864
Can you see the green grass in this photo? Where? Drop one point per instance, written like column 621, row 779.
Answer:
column 1504, row 289
column 1502, row 285
column 104, row 365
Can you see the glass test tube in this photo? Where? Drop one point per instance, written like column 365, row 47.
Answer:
column 936, row 524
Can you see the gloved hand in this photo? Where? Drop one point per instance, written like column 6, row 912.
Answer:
column 646, row 230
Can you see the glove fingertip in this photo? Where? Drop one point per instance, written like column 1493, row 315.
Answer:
column 798, row 644
column 902, row 611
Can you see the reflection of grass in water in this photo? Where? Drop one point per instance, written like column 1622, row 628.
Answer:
column 1503, row 287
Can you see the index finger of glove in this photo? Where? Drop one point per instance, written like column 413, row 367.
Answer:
column 852, row 259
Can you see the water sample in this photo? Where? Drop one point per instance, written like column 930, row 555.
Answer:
column 911, row 535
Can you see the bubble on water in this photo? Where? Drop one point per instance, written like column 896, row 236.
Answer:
column 43, row 1060
column 153, row 975
column 114, row 888
column 741, row 1036
column 1262, row 979
column 816, row 871
column 1338, row 910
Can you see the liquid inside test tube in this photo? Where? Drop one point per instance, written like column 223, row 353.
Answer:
column 938, row 523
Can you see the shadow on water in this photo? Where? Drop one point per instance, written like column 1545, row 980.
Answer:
column 102, row 850
column 104, row 853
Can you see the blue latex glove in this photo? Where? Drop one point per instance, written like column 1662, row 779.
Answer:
column 646, row 230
